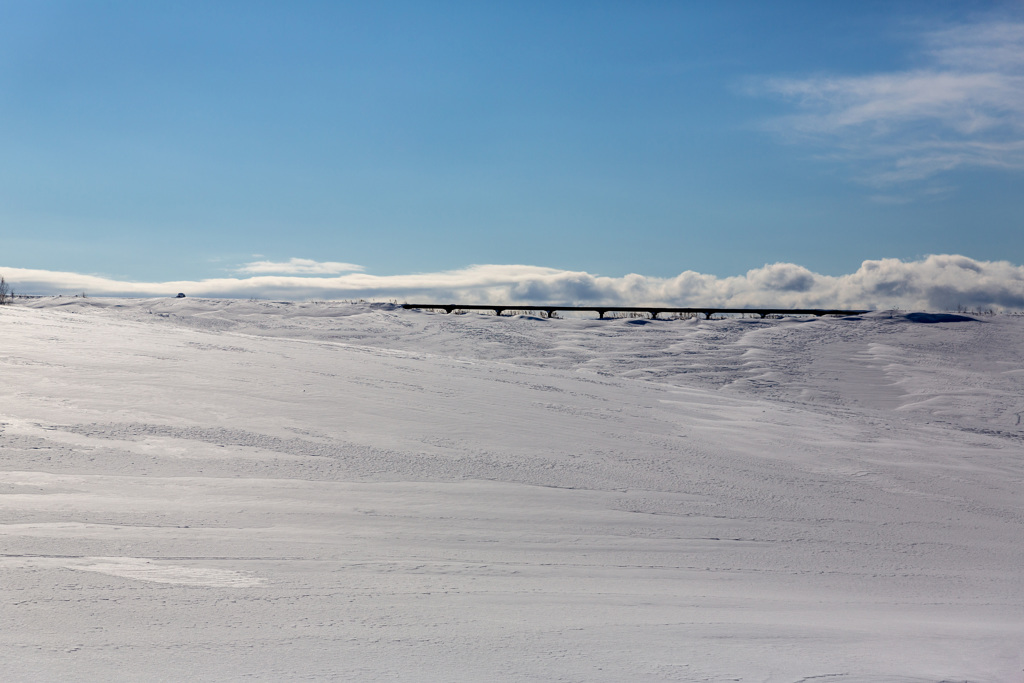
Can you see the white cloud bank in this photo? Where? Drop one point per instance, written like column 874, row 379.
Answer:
column 938, row 282
column 964, row 108
column 298, row 266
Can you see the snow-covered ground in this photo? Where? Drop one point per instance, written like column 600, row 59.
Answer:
column 210, row 490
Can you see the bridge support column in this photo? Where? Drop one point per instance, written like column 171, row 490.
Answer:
column 600, row 314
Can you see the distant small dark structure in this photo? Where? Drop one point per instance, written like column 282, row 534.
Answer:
column 940, row 318
column 654, row 311
column 181, row 295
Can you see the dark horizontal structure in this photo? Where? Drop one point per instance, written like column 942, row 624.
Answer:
column 654, row 311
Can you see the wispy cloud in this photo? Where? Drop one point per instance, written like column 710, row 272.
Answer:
column 938, row 282
column 298, row 266
column 964, row 108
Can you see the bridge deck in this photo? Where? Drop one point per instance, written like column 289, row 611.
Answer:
column 653, row 311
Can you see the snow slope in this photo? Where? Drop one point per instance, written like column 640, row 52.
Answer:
column 210, row 490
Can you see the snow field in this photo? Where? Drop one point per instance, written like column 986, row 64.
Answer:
column 221, row 490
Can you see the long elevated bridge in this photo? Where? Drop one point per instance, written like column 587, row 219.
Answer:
column 653, row 311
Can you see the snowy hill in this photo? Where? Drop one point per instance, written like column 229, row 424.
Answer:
column 209, row 490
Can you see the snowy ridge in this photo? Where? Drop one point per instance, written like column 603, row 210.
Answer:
column 214, row 490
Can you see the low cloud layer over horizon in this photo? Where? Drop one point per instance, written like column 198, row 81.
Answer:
column 937, row 282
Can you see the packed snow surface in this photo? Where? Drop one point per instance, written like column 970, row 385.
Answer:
column 215, row 490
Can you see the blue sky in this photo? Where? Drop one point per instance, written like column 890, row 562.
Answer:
column 181, row 141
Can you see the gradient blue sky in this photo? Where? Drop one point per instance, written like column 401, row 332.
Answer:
column 183, row 140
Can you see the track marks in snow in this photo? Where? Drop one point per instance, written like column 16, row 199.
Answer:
column 139, row 569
